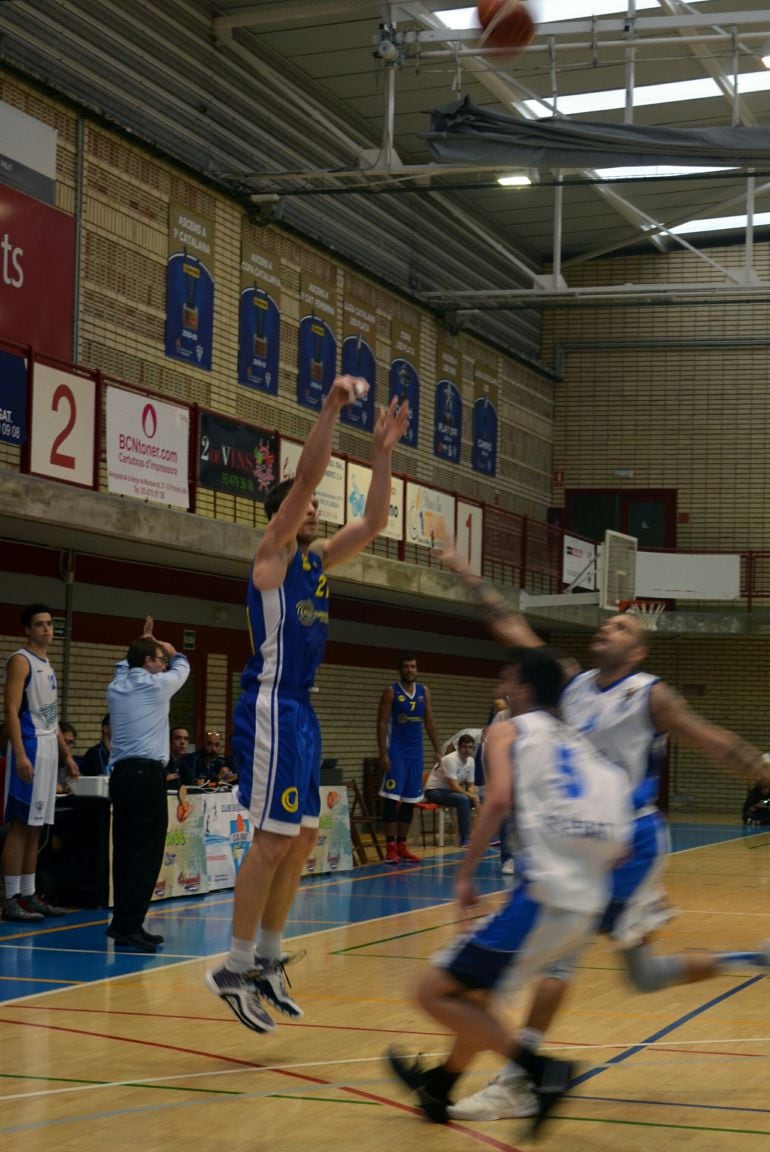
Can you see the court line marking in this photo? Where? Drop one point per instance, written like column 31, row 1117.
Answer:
column 286, row 1071
column 678, row 1023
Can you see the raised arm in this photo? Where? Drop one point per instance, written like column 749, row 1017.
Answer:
column 506, row 625
column 279, row 541
column 670, row 713
column 390, row 427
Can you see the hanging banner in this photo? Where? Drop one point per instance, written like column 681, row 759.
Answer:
column 37, row 275
column 359, row 479
column 13, row 399
column 448, row 407
column 485, row 391
column 330, row 493
column 190, row 286
column 316, row 344
column 27, row 154
column 404, row 380
column 236, row 458
column 259, row 318
column 359, row 331
column 430, row 516
column 147, row 448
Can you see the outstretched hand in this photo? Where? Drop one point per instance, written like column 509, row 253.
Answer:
column 392, row 423
column 450, row 558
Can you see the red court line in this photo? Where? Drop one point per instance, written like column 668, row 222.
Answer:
column 304, row 1076
column 553, row 1043
column 219, row 1020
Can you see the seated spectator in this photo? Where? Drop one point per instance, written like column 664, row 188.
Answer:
column 97, row 759
column 445, row 785
column 450, row 745
column 179, row 767
column 208, row 765
column 70, row 735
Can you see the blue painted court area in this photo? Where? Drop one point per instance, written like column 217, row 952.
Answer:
column 64, row 952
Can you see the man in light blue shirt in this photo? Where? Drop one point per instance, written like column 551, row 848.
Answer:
column 139, row 699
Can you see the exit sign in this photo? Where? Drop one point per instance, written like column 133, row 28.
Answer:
column 188, row 640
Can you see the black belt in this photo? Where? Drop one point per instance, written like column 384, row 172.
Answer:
column 131, row 760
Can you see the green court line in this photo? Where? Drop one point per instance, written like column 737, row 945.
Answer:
column 678, row 1127
column 122, row 1084
column 321, row 1099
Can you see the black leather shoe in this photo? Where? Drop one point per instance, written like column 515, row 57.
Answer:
column 150, row 937
column 133, row 940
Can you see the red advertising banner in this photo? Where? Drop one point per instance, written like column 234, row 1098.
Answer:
column 37, row 270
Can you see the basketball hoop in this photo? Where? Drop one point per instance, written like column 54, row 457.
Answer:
column 647, row 612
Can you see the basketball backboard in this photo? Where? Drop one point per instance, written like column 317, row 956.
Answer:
column 617, row 570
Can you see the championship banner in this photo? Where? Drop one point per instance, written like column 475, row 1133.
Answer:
column 235, row 457
column 359, row 479
column 38, row 282
column 13, row 399
column 448, row 408
column 316, row 344
column 183, row 872
column 333, row 851
column 147, row 447
column 430, row 516
column 190, row 286
column 484, row 447
column 330, row 493
column 259, row 318
column 359, row 332
column 404, row 379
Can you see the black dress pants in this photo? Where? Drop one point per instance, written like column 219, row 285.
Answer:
column 139, row 825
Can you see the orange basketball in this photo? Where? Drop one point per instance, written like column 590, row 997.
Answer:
column 506, row 24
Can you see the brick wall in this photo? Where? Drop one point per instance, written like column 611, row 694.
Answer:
column 122, row 315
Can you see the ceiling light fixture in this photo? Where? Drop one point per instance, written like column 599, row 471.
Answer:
column 764, row 54
column 519, row 180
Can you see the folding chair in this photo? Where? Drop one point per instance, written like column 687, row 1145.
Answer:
column 360, row 817
column 438, row 814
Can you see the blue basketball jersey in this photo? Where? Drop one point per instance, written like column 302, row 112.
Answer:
column 288, row 626
column 407, row 714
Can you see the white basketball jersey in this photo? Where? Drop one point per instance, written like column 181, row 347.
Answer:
column 39, row 712
column 573, row 814
column 616, row 720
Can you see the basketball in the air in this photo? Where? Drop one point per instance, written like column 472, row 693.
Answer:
column 506, row 24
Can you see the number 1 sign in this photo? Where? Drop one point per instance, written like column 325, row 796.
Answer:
column 63, row 426
column 470, row 528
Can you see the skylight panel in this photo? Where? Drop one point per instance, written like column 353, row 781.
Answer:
column 720, row 224
column 648, row 171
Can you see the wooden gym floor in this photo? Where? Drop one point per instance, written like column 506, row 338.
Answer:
column 110, row 1051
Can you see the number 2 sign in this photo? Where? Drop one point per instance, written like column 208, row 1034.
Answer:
column 63, row 426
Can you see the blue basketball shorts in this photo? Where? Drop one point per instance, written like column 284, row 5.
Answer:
column 277, row 749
